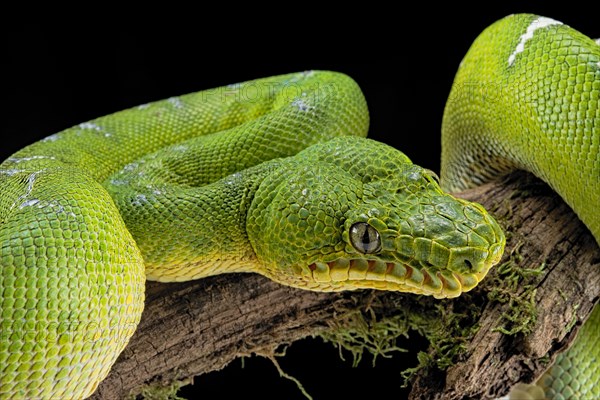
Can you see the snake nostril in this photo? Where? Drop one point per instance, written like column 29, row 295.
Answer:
column 469, row 264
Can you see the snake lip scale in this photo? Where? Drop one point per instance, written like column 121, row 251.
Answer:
column 374, row 274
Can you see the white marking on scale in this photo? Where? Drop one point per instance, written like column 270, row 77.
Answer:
column 301, row 105
column 130, row 167
column 56, row 204
column 180, row 147
column 176, row 101
column 42, row 204
column 51, row 138
column 29, row 203
column 21, row 159
column 11, row 172
column 89, row 125
column 139, row 199
column 119, row 182
column 539, row 23
column 143, row 106
column 30, row 182
column 92, row 126
column 233, row 179
column 154, row 189
column 597, row 41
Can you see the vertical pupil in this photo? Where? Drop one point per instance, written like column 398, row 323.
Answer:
column 366, row 237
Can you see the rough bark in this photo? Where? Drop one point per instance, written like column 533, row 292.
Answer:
column 196, row 327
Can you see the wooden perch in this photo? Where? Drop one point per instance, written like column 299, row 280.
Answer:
column 192, row 328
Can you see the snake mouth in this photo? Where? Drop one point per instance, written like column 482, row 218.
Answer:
column 344, row 274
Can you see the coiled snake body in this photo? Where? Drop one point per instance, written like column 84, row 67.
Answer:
column 274, row 176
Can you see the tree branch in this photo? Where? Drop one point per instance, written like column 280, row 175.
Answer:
column 192, row 328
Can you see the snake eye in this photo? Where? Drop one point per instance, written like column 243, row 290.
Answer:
column 365, row 238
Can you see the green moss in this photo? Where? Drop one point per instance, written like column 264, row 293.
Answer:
column 545, row 360
column 574, row 319
column 447, row 328
column 160, row 391
column 356, row 332
column 448, row 335
column 516, row 286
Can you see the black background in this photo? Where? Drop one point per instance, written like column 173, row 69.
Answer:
column 60, row 72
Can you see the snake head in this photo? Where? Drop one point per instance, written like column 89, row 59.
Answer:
column 353, row 213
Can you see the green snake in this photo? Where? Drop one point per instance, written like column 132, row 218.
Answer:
column 275, row 176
